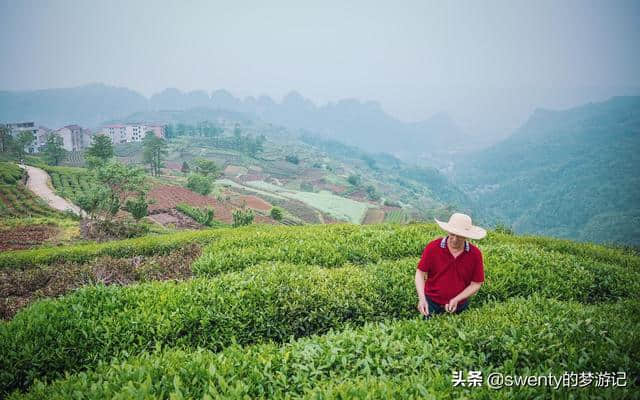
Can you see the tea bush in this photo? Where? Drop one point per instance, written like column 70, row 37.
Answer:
column 407, row 359
column 148, row 245
column 318, row 245
column 264, row 302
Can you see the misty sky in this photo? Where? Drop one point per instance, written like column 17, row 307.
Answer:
column 479, row 61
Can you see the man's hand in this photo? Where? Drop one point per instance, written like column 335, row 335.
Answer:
column 452, row 305
column 423, row 307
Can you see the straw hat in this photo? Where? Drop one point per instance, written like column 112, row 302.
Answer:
column 460, row 224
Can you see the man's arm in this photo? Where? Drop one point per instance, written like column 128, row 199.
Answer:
column 466, row 293
column 422, row 300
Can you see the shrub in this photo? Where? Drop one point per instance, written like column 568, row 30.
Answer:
column 137, row 207
column 10, row 173
column 276, row 213
column 332, row 245
column 185, row 167
column 404, row 359
column 293, row 159
column 504, row 229
column 103, row 322
column 103, row 230
column 199, row 184
column 354, row 179
column 201, row 216
column 372, row 194
column 149, row 245
column 392, row 203
column 265, row 302
column 242, row 217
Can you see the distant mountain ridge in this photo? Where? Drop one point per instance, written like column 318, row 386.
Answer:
column 363, row 124
column 570, row 173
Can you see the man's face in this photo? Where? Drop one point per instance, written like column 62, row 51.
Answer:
column 456, row 242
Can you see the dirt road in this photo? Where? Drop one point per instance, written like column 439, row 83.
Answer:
column 38, row 183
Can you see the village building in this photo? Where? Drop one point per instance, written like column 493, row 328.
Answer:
column 74, row 137
column 128, row 133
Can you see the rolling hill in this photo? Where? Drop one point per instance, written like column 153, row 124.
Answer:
column 570, row 173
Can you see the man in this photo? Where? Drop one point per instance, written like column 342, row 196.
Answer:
column 453, row 268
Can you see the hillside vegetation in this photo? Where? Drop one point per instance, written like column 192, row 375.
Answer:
column 571, row 174
column 323, row 312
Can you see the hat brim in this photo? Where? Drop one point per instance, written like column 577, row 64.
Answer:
column 475, row 232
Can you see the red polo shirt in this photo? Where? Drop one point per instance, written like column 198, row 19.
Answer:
column 447, row 276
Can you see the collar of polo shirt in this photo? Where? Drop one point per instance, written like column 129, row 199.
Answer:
column 443, row 244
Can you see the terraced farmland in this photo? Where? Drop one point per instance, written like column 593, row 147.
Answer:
column 325, row 312
column 395, row 216
column 69, row 182
column 16, row 201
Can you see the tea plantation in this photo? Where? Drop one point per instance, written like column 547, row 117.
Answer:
column 325, row 312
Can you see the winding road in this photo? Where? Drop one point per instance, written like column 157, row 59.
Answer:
column 38, row 183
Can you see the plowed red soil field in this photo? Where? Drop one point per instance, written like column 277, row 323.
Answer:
column 167, row 197
column 253, row 202
column 25, row 237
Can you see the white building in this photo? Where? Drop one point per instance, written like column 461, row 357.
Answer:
column 131, row 132
column 42, row 133
column 74, row 137
column 15, row 128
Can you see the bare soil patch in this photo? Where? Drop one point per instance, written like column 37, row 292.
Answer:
column 176, row 219
column 26, row 237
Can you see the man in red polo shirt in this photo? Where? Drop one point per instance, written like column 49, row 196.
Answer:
column 453, row 268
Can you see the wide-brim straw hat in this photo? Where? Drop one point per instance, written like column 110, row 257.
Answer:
column 460, row 224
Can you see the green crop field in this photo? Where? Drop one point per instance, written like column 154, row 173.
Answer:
column 16, row 201
column 341, row 208
column 395, row 217
column 325, row 312
column 69, row 182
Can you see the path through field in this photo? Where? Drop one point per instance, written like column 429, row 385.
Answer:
column 38, row 183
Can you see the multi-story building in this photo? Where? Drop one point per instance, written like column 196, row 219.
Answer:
column 42, row 133
column 131, row 132
column 15, row 128
column 117, row 133
column 74, row 137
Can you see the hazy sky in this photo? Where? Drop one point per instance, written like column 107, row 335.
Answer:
column 414, row 57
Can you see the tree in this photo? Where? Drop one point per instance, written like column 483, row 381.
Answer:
column 354, row 179
column 169, row 131
column 181, row 129
column 182, row 146
column 155, row 150
column 199, row 184
column 207, row 168
column 276, row 213
column 114, row 184
column 371, row 193
column 185, row 167
column 293, row 159
column 53, row 150
column 237, row 138
column 101, row 148
column 371, row 163
column 137, row 207
column 24, row 139
column 5, row 138
column 255, row 146
column 214, row 132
